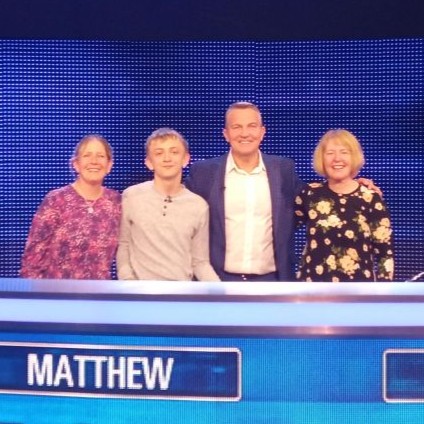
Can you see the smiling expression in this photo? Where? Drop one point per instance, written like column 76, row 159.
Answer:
column 92, row 163
column 244, row 131
column 337, row 160
column 167, row 157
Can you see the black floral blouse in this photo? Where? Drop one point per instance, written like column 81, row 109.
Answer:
column 348, row 236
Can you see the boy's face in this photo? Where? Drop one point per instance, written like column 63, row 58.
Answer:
column 166, row 158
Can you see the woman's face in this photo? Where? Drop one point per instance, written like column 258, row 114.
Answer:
column 337, row 162
column 92, row 163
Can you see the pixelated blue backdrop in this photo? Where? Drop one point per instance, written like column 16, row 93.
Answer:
column 56, row 91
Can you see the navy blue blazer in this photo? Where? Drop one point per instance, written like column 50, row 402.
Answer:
column 207, row 179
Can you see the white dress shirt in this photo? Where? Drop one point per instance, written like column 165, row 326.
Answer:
column 248, row 220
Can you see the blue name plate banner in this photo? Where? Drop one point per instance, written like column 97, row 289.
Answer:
column 120, row 371
column 403, row 375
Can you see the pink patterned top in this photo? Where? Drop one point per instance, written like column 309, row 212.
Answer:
column 71, row 238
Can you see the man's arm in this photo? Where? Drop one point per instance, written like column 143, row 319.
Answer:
column 370, row 184
column 192, row 181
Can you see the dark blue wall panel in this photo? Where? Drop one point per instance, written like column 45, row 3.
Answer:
column 55, row 91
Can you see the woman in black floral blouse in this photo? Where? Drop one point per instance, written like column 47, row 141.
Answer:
column 348, row 229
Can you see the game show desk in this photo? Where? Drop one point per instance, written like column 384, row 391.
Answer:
column 103, row 352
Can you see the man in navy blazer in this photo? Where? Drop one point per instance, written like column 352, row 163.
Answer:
column 251, row 200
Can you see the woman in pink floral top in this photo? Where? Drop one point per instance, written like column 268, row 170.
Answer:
column 348, row 233
column 74, row 234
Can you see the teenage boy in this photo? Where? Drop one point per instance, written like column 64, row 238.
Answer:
column 165, row 227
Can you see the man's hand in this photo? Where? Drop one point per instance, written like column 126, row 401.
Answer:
column 370, row 184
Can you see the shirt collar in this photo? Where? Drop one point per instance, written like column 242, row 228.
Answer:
column 232, row 166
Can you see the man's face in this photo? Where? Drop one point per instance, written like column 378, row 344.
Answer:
column 166, row 158
column 244, row 131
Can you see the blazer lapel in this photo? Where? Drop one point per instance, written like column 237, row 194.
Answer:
column 218, row 193
column 274, row 180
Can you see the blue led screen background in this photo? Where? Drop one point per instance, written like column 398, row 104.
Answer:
column 55, row 91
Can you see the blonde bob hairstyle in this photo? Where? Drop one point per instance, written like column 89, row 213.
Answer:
column 344, row 138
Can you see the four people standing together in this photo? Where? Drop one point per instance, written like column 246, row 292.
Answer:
column 239, row 208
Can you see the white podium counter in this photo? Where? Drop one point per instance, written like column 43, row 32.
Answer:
column 100, row 352
column 230, row 307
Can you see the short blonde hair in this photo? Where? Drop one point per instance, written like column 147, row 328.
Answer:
column 163, row 134
column 346, row 139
